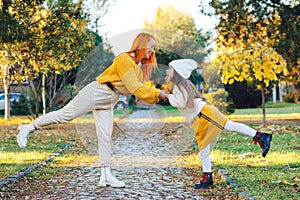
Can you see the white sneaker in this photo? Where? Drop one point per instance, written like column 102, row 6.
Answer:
column 24, row 133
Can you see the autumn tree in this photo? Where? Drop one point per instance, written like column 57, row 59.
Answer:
column 246, row 44
column 61, row 87
column 289, row 43
column 97, row 9
column 212, row 78
column 15, row 31
column 177, row 35
column 46, row 38
column 258, row 63
column 279, row 19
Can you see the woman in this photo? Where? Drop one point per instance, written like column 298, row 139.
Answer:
column 126, row 75
column 207, row 121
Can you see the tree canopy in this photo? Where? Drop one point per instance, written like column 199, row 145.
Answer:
column 270, row 23
column 41, row 38
column 177, row 36
column 250, row 41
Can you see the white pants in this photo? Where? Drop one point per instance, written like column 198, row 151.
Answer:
column 94, row 97
column 229, row 126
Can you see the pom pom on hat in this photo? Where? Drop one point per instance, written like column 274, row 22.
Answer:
column 184, row 67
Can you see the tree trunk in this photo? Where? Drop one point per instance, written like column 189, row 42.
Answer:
column 274, row 94
column 44, row 94
column 28, row 103
column 263, row 102
column 37, row 98
column 6, row 93
column 52, row 89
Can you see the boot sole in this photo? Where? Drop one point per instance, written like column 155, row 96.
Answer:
column 114, row 186
column 204, row 187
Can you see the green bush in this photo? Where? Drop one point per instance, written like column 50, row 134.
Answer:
column 21, row 107
column 221, row 100
column 292, row 97
column 244, row 94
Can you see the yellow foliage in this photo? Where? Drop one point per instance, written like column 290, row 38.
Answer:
column 15, row 120
column 190, row 161
column 221, row 37
column 174, row 30
column 221, row 157
column 75, row 160
column 255, row 63
column 230, row 40
column 274, row 158
column 21, row 157
column 243, row 73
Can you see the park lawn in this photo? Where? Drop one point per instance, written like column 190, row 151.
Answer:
column 273, row 111
column 277, row 176
column 46, row 142
column 279, row 110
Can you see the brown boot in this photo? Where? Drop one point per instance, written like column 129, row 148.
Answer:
column 264, row 141
column 205, row 182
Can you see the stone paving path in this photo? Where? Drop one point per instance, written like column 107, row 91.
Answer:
column 143, row 157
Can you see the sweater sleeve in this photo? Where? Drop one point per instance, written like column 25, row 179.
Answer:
column 178, row 99
column 129, row 77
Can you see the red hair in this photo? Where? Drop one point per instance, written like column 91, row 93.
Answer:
column 139, row 48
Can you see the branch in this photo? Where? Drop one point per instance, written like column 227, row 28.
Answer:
column 6, row 49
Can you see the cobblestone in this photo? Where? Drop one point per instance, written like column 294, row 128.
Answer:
column 143, row 158
column 141, row 183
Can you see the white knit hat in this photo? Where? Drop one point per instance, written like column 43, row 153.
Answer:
column 184, row 67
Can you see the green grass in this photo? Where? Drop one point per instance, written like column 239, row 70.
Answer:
column 13, row 159
column 277, row 176
column 277, row 108
column 271, row 108
column 274, row 177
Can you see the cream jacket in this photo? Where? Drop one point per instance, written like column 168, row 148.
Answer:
column 178, row 99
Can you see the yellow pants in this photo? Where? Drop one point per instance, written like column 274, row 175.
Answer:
column 208, row 125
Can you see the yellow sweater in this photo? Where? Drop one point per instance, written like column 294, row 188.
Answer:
column 126, row 76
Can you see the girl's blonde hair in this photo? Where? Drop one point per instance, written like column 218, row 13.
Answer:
column 139, row 48
column 189, row 87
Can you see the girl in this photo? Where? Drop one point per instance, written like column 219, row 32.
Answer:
column 126, row 75
column 207, row 121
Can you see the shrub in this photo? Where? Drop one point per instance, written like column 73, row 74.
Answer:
column 292, row 97
column 221, row 100
column 244, row 95
column 21, row 107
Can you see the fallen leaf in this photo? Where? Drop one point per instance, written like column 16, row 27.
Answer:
column 296, row 179
column 286, row 182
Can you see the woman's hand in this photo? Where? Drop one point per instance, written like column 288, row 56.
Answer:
column 164, row 95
